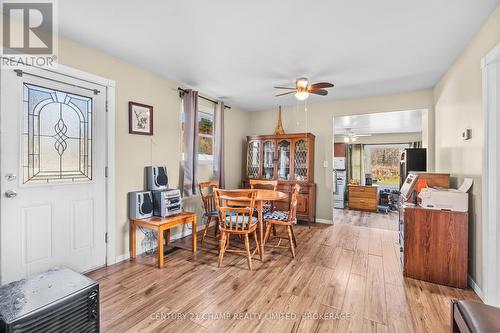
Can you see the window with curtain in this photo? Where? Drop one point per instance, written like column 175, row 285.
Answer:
column 206, row 144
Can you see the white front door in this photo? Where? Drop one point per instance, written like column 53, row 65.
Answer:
column 53, row 157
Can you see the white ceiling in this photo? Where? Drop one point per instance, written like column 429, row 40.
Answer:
column 380, row 123
column 238, row 50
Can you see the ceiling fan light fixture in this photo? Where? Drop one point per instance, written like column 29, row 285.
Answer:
column 302, row 89
column 346, row 139
column 301, row 83
column 301, row 95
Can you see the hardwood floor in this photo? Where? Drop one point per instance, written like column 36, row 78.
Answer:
column 358, row 218
column 347, row 274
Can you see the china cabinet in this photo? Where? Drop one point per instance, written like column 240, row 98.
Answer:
column 288, row 158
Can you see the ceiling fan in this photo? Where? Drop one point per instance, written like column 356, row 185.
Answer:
column 350, row 136
column 303, row 89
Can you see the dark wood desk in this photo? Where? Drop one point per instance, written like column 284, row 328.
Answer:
column 161, row 225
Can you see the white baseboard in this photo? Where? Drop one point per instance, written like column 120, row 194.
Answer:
column 122, row 257
column 324, row 221
column 186, row 232
column 475, row 287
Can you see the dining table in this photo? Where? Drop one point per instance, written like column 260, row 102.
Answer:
column 262, row 196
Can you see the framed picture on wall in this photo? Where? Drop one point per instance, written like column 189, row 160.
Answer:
column 140, row 118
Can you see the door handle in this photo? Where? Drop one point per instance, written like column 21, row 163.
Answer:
column 10, row 194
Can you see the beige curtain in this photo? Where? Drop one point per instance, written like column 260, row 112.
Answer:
column 219, row 172
column 362, row 162
column 190, row 141
column 356, row 163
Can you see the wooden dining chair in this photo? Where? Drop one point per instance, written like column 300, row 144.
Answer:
column 265, row 185
column 206, row 192
column 286, row 219
column 236, row 218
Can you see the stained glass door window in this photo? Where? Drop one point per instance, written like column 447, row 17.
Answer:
column 253, row 159
column 57, row 136
column 300, row 160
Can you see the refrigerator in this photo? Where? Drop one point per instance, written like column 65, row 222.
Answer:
column 412, row 159
column 339, row 182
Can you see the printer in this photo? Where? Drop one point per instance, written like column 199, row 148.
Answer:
column 446, row 199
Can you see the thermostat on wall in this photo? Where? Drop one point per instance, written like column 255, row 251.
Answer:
column 467, row 134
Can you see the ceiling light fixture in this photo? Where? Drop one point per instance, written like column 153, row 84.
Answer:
column 301, row 82
column 350, row 138
column 301, row 85
column 301, row 95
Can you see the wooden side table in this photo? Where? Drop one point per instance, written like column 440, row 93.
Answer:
column 160, row 225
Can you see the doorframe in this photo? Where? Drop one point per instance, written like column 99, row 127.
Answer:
column 110, row 86
column 490, row 67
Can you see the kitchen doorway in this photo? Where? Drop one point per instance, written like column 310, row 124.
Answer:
column 367, row 152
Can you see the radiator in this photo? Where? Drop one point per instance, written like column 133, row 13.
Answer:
column 59, row 300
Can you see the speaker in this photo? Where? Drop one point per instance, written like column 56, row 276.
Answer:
column 156, row 178
column 140, row 205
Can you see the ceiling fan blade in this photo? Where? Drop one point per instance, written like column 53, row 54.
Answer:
column 321, row 92
column 284, row 88
column 319, row 85
column 290, row 92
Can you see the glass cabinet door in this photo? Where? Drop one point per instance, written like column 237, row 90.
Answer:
column 300, row 160
column 253, row 159
column 268, row 160
column 284, row 160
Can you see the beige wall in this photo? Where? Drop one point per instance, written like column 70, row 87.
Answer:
column 133, row 152
column 236, row 132
column 457, row 107
column 320, row 123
